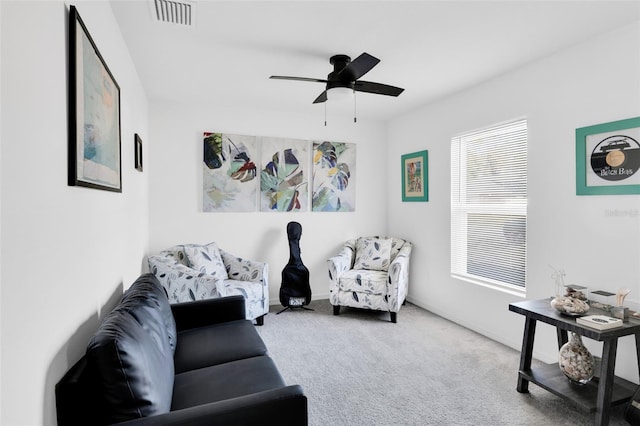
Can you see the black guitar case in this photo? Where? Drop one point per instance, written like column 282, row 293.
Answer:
column 295, row 290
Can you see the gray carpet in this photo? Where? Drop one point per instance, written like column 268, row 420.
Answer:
column 360, row 369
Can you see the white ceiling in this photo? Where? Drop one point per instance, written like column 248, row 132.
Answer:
column 430, row 48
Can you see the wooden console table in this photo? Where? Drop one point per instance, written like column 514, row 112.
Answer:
column 605, row 389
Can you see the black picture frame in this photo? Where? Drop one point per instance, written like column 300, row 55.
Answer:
column 95, row 156
column 137, row 146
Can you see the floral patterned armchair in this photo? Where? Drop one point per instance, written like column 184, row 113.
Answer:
column 370, row 273
column 192, row 272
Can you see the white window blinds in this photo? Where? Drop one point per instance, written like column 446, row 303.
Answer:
column 489, row 205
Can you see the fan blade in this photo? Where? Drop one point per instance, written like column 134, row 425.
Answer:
column 359, row 66
column 377, row 88
column 321, row 98
column 284, row 77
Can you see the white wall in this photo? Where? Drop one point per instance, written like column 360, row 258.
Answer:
column 67, row 252
column 595, row 82
column 175, row 165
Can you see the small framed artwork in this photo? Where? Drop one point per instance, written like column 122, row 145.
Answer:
column 415, row 183
column 137, row 146
column 94, row 114
column 608, row 158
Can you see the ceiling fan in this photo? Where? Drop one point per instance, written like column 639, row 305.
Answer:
column 345, row 78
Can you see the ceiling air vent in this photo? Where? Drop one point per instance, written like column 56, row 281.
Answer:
column 175, row 12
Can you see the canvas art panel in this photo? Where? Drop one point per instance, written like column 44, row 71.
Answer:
column 230, row 180
column 284, row 174
column 334, row 186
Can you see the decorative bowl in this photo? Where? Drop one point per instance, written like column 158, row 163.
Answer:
column 570, row 305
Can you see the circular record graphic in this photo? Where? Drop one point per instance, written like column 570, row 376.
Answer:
column 616, row 158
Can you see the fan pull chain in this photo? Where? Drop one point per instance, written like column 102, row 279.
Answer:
column 355, row 120
column 325, row 113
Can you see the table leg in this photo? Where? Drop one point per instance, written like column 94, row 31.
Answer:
column 605, row 387
column 637, row 336
column 526, row 353
column 562, row 337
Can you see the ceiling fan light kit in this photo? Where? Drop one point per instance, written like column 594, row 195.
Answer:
column 339, row 94
column 343, row 81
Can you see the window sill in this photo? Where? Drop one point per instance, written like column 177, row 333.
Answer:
column 504, row 288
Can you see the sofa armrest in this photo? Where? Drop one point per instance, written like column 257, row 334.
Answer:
column 208, row 311
column 287, row 405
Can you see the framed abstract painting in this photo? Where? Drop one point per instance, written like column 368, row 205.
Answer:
column 415, row 184
column 94, row 114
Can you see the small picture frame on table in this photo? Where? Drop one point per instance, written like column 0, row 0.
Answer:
column 415, row 183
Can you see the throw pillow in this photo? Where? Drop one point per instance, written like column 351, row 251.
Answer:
column 373, row 254
column 206, row 259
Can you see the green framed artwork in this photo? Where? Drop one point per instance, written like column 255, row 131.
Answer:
column 415, row 183
column 608, row 158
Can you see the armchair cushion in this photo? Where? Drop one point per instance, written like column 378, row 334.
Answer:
column 206, row 259
column 363, row 281
column 373, row 254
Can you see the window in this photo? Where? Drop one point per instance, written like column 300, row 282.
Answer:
column 489, row 206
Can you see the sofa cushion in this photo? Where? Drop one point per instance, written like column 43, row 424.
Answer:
column 225, row 381
column 132, row 355
column 373, row 253
column 212, row 345
column 206, row 259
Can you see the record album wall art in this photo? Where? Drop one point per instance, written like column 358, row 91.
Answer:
column 608, row 158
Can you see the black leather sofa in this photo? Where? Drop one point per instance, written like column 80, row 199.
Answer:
column 196, row 363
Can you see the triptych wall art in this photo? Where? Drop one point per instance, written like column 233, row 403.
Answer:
column 249, row 173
